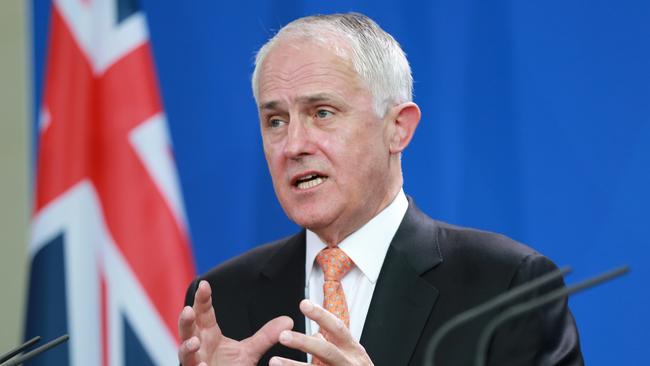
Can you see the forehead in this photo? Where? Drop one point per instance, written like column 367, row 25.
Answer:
column 294, row 69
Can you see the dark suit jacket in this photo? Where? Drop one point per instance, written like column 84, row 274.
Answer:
column 432, row 272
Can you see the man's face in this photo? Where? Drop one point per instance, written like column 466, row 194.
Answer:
column 327, row 150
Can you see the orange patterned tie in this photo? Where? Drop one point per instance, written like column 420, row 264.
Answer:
column 335, row 264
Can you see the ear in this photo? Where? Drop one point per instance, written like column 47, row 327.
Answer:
column 404, row 119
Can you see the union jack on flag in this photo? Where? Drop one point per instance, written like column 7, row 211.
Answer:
column 109, row 250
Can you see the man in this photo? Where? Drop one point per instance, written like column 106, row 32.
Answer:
column 336, row 112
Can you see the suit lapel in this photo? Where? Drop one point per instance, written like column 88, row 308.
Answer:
column 281, row 288
column 402, row 300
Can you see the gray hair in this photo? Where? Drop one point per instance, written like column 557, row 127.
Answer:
column 375, row 55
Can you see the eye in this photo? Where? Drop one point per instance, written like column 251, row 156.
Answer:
column 323, row 113
column 276, row 122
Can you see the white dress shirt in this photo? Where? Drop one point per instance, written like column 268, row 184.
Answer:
column 367, row 247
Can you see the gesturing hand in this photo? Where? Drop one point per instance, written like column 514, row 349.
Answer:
column 339, row 350
column 203, row 344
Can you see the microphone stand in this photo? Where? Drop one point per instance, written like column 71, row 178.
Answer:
column 27, row 356
column 492, row 304
column 520, row 309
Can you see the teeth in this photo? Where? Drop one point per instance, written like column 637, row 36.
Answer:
column 310, row 183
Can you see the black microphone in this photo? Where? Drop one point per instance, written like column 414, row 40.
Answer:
column 37, row 351
column 522, row 308
column 19, row 349
column 485, row 307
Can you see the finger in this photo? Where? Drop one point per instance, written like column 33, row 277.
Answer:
column 280, row 361
column 186, row 324
column 268, row 335
column 336, row 330
column 187, row 352
column 315, row 345
column 205, row 317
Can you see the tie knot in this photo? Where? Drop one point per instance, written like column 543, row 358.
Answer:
column 334, row 262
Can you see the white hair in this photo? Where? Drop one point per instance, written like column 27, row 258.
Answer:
column 375, row 55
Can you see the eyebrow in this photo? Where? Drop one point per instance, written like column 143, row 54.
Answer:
column 309, row 99
column 269, row 105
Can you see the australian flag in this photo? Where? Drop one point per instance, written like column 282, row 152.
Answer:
column 109, row 248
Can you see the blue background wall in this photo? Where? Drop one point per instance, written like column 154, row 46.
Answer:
column 536, row 123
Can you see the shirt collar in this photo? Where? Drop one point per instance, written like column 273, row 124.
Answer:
column 367, row 247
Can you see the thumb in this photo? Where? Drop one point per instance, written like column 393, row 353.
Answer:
column 267, row 336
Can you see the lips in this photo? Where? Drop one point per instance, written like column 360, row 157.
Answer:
column 308, row 180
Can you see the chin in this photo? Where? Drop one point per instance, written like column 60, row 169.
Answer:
column 309, row 217
column 311, row 212
column 309, row 222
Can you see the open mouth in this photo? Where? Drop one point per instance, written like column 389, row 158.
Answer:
column 309, row 181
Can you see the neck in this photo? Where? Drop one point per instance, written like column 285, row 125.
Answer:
column 332, row 236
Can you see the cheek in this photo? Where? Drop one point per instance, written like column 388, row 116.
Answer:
column 277, row 173
column 371, row 163
column 356, row 154
column 276, row 170
column 331, row 146
column 272, row 155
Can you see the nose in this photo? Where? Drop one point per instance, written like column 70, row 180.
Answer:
column 298, row 141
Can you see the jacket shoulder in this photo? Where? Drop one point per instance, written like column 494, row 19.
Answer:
column 473, row 244
column 429, row 243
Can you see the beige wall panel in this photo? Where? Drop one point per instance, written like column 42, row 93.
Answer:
column 14, row 168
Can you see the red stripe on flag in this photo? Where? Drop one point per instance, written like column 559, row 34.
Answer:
column 128, row 93
column 65, row 150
